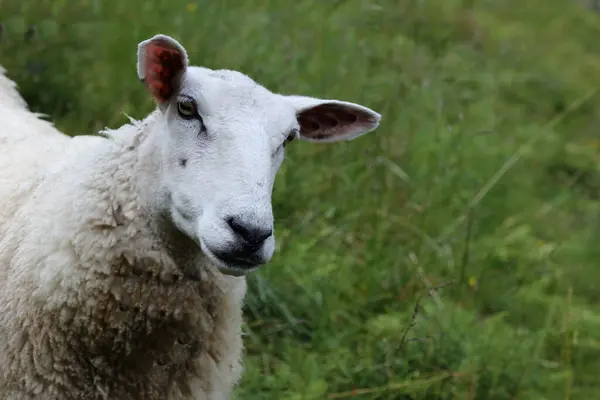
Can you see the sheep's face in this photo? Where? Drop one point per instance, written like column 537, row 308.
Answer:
column 222, row 139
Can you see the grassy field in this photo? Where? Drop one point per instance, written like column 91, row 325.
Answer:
column 452, row 254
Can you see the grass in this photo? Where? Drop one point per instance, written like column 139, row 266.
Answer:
column 451, row 254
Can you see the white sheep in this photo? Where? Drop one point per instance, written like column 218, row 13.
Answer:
column 122, row 257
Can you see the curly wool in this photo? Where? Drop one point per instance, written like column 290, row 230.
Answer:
column 100, row 298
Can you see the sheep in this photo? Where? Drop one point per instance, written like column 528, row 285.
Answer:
column 123, row 255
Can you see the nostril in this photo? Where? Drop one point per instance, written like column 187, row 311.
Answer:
column 252, row 235
column 236, row 226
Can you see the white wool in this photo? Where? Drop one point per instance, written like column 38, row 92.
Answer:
column 123, row 255
column 9, row 95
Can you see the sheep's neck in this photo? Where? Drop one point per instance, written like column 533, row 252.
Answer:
column 161, row 309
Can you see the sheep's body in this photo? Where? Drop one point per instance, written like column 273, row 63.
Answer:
column 92, row 305
column 117, row 252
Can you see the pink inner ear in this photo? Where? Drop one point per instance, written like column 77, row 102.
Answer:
column 162, row 68
column 329, row 120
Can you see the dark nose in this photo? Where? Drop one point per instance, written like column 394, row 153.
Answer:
column 252, row 235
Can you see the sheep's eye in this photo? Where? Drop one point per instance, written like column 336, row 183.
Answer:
column 187, row 109
column 290, row 137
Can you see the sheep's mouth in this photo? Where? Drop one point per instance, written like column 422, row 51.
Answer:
column 237, row 262
column 232, row 267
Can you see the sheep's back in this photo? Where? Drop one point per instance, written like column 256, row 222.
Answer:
column 9, row 95
column 27, row 144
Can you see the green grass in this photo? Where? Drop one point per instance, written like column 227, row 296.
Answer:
column 451, row 254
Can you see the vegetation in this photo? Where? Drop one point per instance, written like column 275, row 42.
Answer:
column 451, row 254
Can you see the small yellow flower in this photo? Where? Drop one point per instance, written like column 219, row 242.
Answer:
column 539, row 243
column 472, row 281
column 191, row 7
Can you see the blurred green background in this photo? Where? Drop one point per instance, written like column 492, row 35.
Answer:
column 454, row 252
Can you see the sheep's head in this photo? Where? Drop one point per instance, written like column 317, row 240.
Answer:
column 222, row 140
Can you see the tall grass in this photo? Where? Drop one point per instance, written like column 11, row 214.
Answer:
column 451, row 254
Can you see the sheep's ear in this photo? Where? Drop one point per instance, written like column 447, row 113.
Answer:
column 332, row 120
column 161, row 64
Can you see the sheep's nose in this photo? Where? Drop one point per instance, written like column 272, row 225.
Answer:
column 251, row 234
